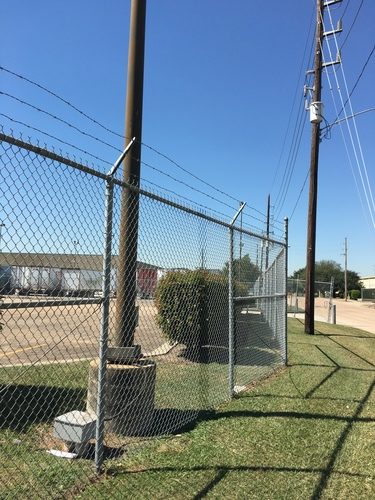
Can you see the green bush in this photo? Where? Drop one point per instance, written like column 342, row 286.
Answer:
column 193, row 307
column 355, row 294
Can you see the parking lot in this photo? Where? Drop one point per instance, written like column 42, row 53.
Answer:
column 37, row 330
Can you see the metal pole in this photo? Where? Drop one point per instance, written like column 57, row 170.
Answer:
column 103, row 343
column 286, row 237
column 313, row 191
column 231, row 318
column 106, row 290
column 331, row 287
column 126, row 315
column 240, row 259
column 268, row 229
column 333, row 314
column 231, row 333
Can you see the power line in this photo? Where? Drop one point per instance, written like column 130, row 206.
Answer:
column 357, row 81
column 292, row 159
column 299, row 195
column 353, row 23
column 357, row 135
column 356, row 130
column 294, row 101
column 346, row 146
column 293, row 150
column 346, row 8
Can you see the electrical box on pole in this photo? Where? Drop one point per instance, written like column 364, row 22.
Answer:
column 316, row 112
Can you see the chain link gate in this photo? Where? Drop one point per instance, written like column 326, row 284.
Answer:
column 211, row 316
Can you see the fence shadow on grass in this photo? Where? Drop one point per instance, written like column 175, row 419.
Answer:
column 322, row 474
column 25, row 405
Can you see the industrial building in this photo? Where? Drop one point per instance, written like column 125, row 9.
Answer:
column 66, row 274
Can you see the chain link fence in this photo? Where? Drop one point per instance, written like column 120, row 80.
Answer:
column 324, row 295
column 100, row 353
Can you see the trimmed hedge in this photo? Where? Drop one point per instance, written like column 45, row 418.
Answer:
column 193, row 307
column 355, row 294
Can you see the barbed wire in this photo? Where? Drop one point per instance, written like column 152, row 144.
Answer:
column 156, row 169
column 35, row 129
column 122, row 136
column 65, row 122
column 178, row 195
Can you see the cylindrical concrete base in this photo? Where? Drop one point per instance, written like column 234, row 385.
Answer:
column 130, row 392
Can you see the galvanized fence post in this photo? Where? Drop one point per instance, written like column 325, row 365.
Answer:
column 231, row 317
column 231, row 333
column 103, row 342
column 106, row 285
column 286, row 238
column 330, row 303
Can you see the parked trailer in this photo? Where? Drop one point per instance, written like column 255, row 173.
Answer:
column 35, row 279
column 75, row 282
column 82, row 282
column 147, row 278
column 5, row 279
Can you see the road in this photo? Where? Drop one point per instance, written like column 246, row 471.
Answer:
column 352, row 313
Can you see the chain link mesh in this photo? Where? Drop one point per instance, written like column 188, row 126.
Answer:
column 99, row 355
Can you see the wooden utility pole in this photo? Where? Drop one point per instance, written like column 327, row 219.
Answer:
column 313, row 191
column 126, row 313
column 315, row 118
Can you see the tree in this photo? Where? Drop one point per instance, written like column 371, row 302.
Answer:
column 325, row 270
column 244, row 270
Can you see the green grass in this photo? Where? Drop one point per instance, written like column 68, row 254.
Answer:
column 306, row 432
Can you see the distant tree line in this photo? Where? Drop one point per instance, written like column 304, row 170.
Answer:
column 325, row 269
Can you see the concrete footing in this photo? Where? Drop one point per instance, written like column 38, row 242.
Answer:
column 130, row 393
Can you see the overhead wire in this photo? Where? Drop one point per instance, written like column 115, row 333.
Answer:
column 292, row 162
column 353, row 23
column 294, row 101
column 293, row 150
column 343, row 137
column 357, row 81
column 368, row 188
column 355, row 128
column 299, row 195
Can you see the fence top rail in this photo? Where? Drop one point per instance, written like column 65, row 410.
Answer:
column 91, row 171
column 250, row 298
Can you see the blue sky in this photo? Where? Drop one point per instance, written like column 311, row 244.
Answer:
column 222, row 82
